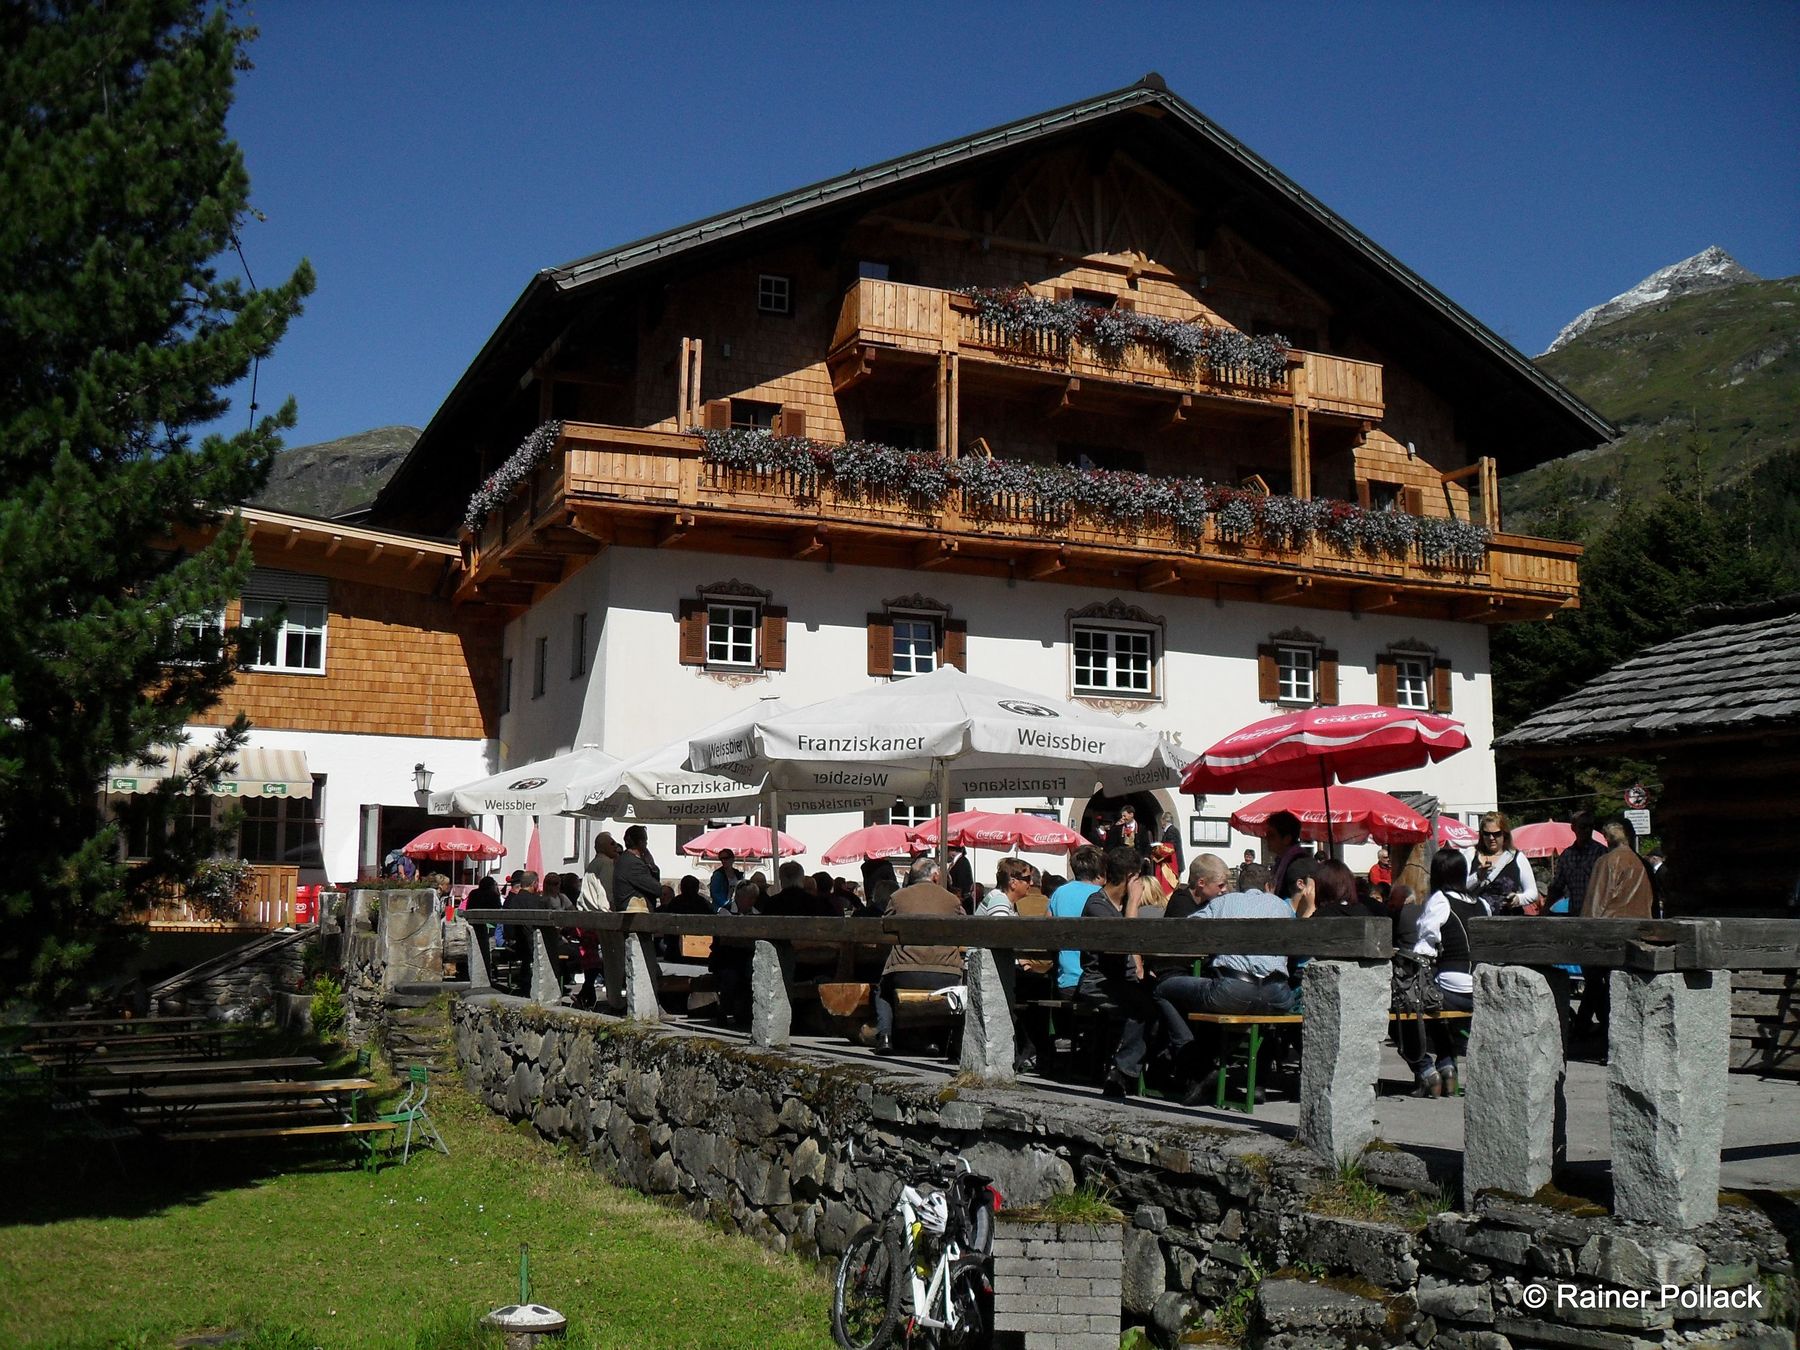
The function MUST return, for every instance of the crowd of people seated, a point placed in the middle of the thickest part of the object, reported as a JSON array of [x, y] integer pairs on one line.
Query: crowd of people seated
[[1148, 1000]]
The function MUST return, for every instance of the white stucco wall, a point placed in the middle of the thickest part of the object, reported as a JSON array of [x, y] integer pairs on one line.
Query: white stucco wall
[[636, 694]]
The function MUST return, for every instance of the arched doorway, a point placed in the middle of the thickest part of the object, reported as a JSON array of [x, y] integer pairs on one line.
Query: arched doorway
[[1102, 812]]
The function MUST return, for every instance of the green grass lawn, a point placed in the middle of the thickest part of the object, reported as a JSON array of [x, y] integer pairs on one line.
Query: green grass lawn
[[305, 1249]]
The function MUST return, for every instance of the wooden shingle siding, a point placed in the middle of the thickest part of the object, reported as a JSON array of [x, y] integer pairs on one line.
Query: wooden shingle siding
[[396, 663]]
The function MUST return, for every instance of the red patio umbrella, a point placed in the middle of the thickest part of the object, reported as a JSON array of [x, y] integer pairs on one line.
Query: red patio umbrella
[[1454, 833], [1319, 745], [1357, 816], [1002, 830], [1546, 838], [449, 842], [872, 841], [744, 841]]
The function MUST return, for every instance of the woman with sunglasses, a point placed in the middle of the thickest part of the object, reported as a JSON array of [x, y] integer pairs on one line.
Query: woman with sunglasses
[[1499, 873]]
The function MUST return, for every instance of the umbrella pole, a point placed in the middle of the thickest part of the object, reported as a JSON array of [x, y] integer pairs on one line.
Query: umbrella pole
[[1325, 789], [773, 809], [943, 788]]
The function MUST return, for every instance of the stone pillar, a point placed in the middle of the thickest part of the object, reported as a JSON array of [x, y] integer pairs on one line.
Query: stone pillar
[[987, 1043], [1340, 1054], [612, 968], [411, 938], [1669, 1046], [477, 968], [640, 979], [1514, 1113], [546, 988], [771, 1015]]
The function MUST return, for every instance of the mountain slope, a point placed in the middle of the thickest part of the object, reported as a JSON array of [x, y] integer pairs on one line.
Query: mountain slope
[[1708, 270], [1704, 388], [331, 478]]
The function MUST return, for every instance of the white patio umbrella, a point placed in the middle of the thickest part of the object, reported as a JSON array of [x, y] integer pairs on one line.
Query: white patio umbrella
[[966, 736], [531, 789], [657, 785]]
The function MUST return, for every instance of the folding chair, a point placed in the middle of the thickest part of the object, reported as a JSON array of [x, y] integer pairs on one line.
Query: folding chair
[[411, 1113]]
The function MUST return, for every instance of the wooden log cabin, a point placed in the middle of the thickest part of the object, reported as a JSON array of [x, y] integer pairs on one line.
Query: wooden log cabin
[[893, 419]]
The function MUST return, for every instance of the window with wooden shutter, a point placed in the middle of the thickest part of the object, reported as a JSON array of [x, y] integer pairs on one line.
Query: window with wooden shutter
[[692, 619], [881, 644], [1414, 497], [716, 415], [774, 637], [956, 643], [790, 421], [1328, 676], [1387, 690], [1268, 674], [1440, 687]]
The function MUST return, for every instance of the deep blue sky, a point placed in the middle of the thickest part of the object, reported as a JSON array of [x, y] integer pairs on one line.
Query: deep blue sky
[[1528, 159]]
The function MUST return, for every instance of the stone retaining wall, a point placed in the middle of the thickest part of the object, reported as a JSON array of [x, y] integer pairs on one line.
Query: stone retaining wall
[[800, 1152], [243, 993]]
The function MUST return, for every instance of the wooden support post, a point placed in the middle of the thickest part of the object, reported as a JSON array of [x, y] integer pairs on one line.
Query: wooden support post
[[1300, 451], [953, 367], [684, 400], [1490, 493], [943, 403]]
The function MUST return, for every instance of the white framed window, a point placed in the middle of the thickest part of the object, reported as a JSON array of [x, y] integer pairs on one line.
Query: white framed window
[[199, 638], [731, 634], [774, 294], [915, 644], [910, 814], [1297, 672], [296, 644], [283, 829], [1113, 660], [1412, 683], [540, 667]]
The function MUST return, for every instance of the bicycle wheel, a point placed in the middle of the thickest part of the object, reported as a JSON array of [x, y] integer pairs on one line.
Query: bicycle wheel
[[865, 1297]]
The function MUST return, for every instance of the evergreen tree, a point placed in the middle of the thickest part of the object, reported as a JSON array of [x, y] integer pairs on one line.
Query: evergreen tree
[[117, 336]]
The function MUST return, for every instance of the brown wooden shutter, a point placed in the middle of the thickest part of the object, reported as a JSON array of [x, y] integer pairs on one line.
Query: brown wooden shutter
[[1414, 499], [1387, 681], [1328, 677], [1128, 303], [1063, 292], [1440, 687], [1268, 674], [716, 415], [693, 632], [881, 644], [790, 421], [956, 643], [774, 637], [1364, 497]]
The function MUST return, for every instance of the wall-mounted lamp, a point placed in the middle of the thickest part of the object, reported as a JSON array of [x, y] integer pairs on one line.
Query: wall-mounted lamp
[[421, 783]]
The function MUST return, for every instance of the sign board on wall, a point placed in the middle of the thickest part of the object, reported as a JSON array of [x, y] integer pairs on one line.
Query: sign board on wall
[[1639, 821], [1204, 830]]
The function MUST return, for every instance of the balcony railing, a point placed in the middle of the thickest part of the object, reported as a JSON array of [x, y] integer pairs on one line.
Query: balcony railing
[[653, 487], [924, 321]]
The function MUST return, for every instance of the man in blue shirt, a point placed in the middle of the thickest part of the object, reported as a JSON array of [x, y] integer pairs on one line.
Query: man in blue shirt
[[725, 879], [1067, 902], [1233, 984]]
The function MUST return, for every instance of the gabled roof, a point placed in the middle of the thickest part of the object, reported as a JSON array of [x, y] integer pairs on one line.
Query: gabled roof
[[1735, 679], [1444, 332]]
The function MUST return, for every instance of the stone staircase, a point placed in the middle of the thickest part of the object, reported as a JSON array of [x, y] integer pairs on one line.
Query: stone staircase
[[414, 1025]]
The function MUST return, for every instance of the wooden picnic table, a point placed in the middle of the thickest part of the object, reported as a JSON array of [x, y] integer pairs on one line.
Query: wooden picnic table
[[72, 1051], [139, 1075], [129, 1023], [175, 1101]]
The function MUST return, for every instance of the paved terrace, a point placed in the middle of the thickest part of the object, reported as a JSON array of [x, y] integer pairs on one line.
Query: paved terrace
[[1678, 1108]]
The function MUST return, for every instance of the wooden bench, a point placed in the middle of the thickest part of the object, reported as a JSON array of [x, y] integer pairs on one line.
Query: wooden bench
[[857, 998], [1251, 1024], [363, 1132]]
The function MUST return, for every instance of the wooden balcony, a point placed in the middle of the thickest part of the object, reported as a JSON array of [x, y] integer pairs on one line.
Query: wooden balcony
[[270, 905], [887, 322], [615, 485]]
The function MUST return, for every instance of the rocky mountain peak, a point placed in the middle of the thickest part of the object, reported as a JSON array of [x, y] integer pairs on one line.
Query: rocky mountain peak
[[1708, 270]]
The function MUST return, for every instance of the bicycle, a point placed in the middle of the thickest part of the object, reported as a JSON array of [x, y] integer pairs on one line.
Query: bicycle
[[924, 1264]]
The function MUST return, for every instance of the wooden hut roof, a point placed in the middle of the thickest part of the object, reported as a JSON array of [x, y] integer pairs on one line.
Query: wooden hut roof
[[1735, 679]]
